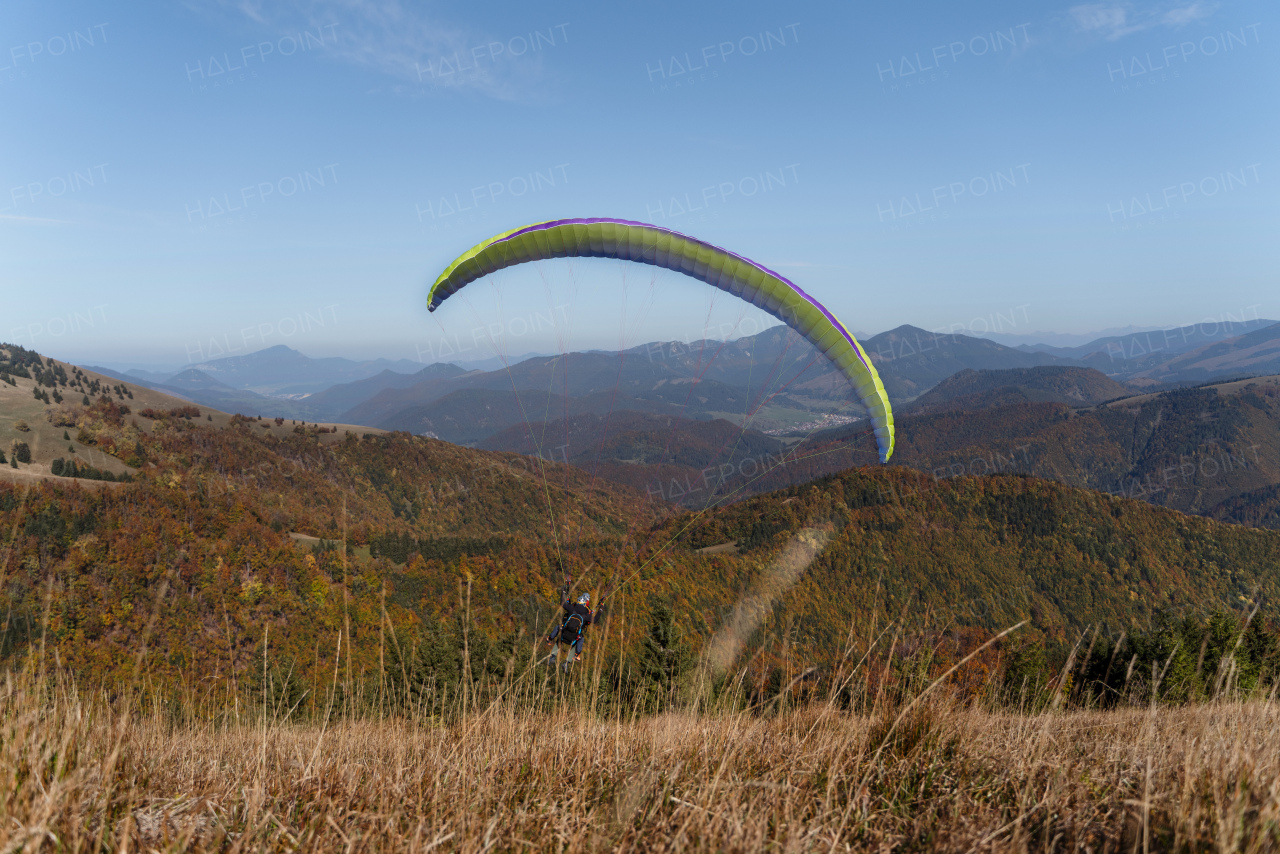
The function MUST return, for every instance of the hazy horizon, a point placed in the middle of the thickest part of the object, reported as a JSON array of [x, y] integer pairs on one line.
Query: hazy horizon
[[476, 355]]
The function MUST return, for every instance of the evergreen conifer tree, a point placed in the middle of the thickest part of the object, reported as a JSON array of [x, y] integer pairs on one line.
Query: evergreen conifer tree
[[664, 656]]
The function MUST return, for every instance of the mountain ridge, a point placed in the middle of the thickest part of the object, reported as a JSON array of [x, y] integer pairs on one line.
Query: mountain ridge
[[973, 390], [911, 361]]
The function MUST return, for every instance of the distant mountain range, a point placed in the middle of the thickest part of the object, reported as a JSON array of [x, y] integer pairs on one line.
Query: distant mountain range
[[204, 389], [799, 385], [278, 371], [278, 381], [964, 405], [1059, 339], [1148, 355], [282, 371], [772, 381], [1255, 353], [912, 360]]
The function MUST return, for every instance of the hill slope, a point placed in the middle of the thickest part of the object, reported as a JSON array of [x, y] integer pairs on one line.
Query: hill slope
[[692, 463], [336, 400], [1259, 508], [51, 429], [1191, 449], [911, 360], [197, 387], [1254, 353], [82, 402], [970, 389], [991, 551]]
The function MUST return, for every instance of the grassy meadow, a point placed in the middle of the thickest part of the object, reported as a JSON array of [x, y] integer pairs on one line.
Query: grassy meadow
[[535, 763]]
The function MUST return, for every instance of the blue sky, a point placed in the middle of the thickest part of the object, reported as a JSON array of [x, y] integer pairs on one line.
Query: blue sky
[[180, 181]]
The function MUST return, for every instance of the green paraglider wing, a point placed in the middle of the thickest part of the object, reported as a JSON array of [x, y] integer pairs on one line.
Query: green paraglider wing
[[661, 247]]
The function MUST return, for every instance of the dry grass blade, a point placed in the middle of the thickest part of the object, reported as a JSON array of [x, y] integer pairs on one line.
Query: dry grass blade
[[82, 775]]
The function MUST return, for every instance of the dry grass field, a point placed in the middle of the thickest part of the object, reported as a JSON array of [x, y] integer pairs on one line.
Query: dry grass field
[[80, 772]]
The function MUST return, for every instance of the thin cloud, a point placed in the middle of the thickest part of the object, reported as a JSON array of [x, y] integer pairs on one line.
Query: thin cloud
[[34, 220], [1186, 15], [402, 41], [1115, 21], [1095, 17], [252, 11]]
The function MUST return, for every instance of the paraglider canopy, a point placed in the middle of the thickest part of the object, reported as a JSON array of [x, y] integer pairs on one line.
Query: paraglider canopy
[[662, 247]]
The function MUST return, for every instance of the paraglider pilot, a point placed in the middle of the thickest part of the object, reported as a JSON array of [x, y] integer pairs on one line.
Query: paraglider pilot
[[569, 632]]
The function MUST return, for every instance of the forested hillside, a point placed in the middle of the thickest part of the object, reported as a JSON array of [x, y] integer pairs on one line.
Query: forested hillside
[[650, 453], [993, 550], [196, 557], [1204, 450], [971, 390], [194, 561]]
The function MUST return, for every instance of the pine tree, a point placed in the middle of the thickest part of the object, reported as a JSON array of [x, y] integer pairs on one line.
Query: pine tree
[[664, 656]]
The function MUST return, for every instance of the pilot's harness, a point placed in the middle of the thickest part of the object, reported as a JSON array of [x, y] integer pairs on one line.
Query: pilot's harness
[[569, 632]]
